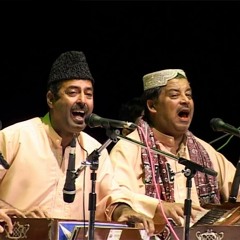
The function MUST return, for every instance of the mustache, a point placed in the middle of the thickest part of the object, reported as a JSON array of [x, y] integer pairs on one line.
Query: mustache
[[80, 107]]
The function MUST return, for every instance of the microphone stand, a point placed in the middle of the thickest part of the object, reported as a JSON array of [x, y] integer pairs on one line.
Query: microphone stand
[[235, 185], [92, 161], [189, 173], [190, 170]]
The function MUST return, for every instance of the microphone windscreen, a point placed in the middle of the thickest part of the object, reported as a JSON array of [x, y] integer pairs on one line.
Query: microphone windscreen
[[216, 123], [69, 198], [90, 120]]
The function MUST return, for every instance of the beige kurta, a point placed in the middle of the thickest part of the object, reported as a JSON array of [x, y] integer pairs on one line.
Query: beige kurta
[[37, 173], [126, 158]]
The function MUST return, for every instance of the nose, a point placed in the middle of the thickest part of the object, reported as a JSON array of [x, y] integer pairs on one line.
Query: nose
[[185, 98], [81, 98]]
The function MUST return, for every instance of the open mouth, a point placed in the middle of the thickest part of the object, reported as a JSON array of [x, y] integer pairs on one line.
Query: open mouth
[[78, 115], [184, 114]]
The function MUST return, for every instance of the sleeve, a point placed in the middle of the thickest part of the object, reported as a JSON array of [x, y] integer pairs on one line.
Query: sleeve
[[128, 173], [110, 194], [225, 169], [6, 154]]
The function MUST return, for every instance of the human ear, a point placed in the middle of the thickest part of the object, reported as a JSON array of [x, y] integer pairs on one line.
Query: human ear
[[50, 98], [151, 105]]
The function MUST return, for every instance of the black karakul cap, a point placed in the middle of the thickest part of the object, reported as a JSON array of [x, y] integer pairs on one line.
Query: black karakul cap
[[70, 65]]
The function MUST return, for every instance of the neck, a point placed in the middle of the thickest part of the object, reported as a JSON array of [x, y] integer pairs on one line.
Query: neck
[[66, 140], [178, 142]]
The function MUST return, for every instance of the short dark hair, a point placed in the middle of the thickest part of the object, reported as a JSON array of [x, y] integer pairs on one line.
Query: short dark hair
[[131, 110]]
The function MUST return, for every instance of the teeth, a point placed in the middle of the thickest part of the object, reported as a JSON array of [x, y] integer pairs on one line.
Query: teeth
[[79, 112]]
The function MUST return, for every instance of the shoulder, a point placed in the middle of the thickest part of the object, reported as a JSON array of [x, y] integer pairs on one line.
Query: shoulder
[[85, 135], [23, 125], [213, 153], [204, 143], [88, 140], [132, 141], [21, 130]]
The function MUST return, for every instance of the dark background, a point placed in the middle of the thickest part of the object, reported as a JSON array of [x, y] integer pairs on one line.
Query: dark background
[[123, 41]]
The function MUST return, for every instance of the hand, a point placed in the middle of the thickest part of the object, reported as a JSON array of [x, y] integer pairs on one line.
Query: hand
[[124, 213], [175, 211], [36, 212], [5, 216]]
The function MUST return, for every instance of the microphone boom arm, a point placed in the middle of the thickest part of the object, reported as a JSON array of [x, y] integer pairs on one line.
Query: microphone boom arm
[[189, 164]]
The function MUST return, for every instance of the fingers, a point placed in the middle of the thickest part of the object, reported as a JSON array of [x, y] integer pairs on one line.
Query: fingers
[[152, 228], [196, 214], [171, 210], [146, 222], [15, 212], [2, 229], [178, 220], [8, 221], [148, 225], [176, 212], [129, 215], [198, 208], [36, 213]]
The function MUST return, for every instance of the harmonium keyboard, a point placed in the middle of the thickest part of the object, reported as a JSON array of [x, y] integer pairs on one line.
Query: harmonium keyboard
[[220, 222]]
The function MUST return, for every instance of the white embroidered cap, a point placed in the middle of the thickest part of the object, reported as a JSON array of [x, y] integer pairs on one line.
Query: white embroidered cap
[[160, 78]]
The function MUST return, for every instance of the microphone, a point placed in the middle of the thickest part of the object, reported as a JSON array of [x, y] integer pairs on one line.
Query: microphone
[[69, 189], [3, 162], [93, 120], [218, 125]]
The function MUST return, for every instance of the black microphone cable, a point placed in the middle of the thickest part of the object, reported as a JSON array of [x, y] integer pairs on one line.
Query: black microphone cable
[[223, 136]]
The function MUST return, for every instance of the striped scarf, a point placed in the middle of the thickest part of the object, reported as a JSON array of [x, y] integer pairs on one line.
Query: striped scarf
[[207, 187]]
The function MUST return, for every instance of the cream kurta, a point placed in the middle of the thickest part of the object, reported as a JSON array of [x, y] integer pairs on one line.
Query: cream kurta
[[126, 158], [37, 173]]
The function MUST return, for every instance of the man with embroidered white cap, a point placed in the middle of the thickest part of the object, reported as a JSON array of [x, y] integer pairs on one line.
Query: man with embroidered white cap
[[169, 109]]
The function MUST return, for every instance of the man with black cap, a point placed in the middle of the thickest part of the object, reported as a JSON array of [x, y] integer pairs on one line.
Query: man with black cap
[[41, 150]]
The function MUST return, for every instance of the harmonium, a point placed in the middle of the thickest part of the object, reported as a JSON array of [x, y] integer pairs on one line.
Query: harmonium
[[221, 222], [58, 229]]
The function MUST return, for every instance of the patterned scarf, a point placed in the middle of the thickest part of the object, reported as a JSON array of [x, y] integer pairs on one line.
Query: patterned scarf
[[207, 187]]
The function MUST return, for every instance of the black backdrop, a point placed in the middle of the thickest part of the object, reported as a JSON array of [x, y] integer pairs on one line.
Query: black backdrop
[[122, 42]]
